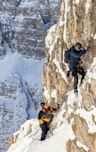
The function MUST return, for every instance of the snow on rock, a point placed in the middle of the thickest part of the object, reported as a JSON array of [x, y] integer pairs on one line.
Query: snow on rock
[[60, 70], [53, 143], [87, 6], [79, 144], [65, 19], [91, 74], [46, 94], [94, 36], [20, 93], [26, 23], [13, 108], [73, 101], [54, 93], [88, 117], [77, 1], [49, 39], [73, 127], [61, 23]]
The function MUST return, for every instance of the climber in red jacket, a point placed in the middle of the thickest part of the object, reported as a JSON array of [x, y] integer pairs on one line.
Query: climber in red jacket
[[44, 120], [45, 117]]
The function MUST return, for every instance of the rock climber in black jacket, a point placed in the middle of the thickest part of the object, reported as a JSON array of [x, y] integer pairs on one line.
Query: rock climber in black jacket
[[72, 58]]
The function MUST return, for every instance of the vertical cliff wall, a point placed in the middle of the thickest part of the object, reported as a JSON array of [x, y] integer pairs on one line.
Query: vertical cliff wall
[[74, 126], [24, 24], [76, 24]]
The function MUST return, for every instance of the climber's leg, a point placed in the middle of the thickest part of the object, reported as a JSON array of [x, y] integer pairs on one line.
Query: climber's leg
[[81, 71], [74, 74], [44, 129]]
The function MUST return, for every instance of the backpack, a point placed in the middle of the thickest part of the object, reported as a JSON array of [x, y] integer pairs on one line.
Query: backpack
[[67, 56]]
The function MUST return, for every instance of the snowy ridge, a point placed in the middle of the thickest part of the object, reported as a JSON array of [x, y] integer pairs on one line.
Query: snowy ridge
[[61, 127], [23, 26], [20, 92], [31, 142]]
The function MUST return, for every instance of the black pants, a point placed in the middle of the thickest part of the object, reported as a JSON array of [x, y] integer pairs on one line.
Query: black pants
[[44, 127], [75, 70]]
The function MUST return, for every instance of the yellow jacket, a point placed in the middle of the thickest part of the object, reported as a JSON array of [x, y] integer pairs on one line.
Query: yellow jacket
[[44, 117]]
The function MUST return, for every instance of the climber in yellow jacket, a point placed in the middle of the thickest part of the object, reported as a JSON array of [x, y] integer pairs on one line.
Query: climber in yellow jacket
[[45, 116]]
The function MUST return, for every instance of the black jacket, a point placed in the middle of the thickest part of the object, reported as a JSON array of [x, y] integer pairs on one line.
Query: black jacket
[[74, 56]]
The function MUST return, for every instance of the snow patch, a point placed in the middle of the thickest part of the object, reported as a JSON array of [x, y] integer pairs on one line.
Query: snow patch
[[91, 74], [60, 70], [61, 23], [80, 145], [46, 94], [88, 117], [77, 1], [49, 39], [87, 6], [31, 143], [54, 93], [24, 129], [51, 49], [73, 100], [94, 37], [65, 19]]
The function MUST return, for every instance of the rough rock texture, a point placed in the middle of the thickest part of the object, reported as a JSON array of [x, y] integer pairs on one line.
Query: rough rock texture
[[23, 131], [24, 24], [20, 93], [13, 108], [74, 125], [76, 24], [23, 27]]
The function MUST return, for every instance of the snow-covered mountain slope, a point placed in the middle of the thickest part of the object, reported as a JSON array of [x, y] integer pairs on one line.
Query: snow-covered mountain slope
[[73, 127], [53, 143], [20, 93], [24, 24]]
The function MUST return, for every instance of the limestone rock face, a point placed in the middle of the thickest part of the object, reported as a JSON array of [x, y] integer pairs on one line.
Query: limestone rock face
[[24, 24], [76, 24]]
